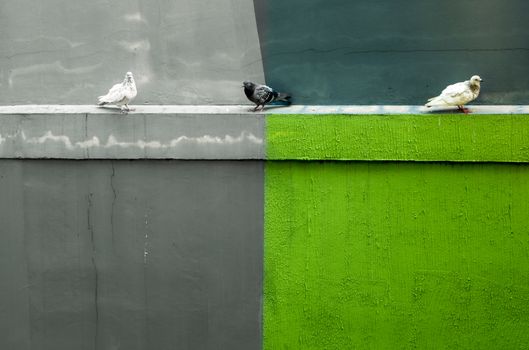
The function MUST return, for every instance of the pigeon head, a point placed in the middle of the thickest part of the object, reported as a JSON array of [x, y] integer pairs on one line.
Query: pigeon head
[[248, 85], [475, 80], [129, 78]]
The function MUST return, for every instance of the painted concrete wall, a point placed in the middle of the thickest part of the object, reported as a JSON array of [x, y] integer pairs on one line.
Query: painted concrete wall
[[377, 230], [152, 254], [130, 254], [394, 51], [181, 52], [396, 232], [430, 137], [324, 52], [396, 255], [86, 132]]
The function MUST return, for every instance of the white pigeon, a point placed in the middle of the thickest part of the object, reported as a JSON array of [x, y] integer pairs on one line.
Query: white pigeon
[[458, 94], [121, 94]]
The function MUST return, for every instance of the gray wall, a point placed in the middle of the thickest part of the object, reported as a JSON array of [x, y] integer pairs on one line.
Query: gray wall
[[151, 132], [394, 51], [181, 52], [130, 254]]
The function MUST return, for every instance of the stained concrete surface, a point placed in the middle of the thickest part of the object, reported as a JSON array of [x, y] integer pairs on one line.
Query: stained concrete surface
[[130, 254], [185, 132], [394, 51], [71, 51], [112, 135]]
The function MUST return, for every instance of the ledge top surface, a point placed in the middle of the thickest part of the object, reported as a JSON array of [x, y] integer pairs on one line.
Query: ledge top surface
[[248, 109]]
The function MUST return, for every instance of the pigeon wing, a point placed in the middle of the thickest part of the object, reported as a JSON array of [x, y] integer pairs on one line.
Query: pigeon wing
[[454, 89], [457, 94], [453, 95], [114, 95], [263, 94]]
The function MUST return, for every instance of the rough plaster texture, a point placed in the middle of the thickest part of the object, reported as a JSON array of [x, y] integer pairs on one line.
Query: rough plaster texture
[[396, 255], [112, 135], [394, 51], [443, 137], [71, 51], [130, 255], [234, 132]]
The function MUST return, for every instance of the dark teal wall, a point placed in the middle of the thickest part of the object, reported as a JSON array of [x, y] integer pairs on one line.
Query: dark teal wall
[[394, 51]]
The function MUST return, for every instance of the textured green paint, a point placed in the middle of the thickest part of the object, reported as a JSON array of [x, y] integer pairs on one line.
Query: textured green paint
[[430, 137], [396, 255]]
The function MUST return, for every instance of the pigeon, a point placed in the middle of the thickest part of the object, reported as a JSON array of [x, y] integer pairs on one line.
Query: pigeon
[[458, 94], [121, 94], [262, 95]]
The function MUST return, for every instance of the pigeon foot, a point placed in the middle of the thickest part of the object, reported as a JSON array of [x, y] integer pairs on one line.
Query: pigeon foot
[[463, 109]]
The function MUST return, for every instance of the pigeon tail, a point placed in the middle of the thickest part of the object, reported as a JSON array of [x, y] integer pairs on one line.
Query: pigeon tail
[[435, 101], [284, 97]]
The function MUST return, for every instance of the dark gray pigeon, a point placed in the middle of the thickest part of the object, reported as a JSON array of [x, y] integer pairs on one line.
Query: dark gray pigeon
[[262, 95]]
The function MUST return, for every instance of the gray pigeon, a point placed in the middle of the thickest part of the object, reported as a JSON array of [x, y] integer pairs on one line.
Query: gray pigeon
[[120, 94], [262, 95]]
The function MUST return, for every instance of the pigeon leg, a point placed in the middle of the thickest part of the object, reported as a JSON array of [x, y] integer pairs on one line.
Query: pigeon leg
[[463, 109], [255, 109]]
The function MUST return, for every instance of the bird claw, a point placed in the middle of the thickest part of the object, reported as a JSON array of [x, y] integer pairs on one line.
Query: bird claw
[[126, 109], [463, 109]]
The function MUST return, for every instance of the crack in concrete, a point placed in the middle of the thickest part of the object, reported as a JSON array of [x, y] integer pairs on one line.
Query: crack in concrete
[[114, 198], [96, 275]]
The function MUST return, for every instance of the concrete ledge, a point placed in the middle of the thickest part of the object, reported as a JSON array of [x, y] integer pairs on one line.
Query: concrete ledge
[[247, 109], [405, 137], [369, 110], [236, 133], [86, 132]]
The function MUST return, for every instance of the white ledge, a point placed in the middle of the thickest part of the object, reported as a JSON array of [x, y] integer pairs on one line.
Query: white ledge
[[248, 109]]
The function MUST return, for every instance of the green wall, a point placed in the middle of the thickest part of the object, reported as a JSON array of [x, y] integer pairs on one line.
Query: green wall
[[427, 137], [395, 254]]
